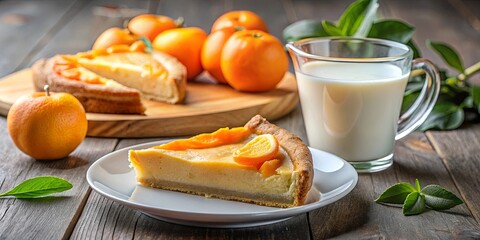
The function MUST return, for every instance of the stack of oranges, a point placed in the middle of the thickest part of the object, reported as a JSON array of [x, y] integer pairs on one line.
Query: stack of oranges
[[239, 51]]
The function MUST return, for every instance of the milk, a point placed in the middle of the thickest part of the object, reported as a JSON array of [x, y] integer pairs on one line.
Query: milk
[[351, 109]]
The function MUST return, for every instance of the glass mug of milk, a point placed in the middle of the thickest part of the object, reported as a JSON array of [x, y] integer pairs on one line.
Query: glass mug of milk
[[351, 92]]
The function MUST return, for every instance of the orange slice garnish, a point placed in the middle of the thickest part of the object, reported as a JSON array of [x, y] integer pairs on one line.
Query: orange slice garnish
[[220, 137], [260, 149], [269, 167]]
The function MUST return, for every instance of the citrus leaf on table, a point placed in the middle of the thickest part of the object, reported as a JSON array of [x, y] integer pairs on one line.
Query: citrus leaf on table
[[449, 55], [445, 115], [303, 29], [414, 204], [38, 187], [439, 198], [392, 30], [396, 194], [414, 200]]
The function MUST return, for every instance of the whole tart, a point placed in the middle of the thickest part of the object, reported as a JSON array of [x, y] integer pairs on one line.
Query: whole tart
[[213, 171], [113, 82]]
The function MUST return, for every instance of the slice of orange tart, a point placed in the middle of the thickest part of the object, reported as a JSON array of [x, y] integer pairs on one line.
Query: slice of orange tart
[[259, 163], [113, 82], [97, 94], [157, 76]]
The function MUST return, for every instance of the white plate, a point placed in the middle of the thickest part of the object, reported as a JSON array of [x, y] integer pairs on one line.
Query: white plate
[[112, 177]]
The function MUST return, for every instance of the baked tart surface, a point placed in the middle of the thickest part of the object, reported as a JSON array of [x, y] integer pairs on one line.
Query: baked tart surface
[[232, 164], [113, 82]]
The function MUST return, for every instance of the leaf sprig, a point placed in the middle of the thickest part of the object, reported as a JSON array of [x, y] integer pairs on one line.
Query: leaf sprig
[[415, 200], [457, 95], [38, 187]]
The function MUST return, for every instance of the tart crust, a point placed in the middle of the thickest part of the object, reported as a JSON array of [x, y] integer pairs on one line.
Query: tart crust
[[295, 148]]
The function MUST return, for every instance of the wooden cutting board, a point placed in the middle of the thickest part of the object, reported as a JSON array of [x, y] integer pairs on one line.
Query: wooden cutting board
[[207, 108]]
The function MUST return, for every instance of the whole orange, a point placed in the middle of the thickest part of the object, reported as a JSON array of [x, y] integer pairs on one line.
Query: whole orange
[[114, 36], [150, 25], [246, 19], [253, 61], [47, 127], [185, 44], [212, 52]]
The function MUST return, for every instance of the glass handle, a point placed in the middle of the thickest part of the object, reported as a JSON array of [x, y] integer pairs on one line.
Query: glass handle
[[423, 105]]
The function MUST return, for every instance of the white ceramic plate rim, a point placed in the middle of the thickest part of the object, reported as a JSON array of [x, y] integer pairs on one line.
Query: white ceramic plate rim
[[336, 189]]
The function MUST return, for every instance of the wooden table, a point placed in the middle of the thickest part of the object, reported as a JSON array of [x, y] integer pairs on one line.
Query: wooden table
[[31, 29]]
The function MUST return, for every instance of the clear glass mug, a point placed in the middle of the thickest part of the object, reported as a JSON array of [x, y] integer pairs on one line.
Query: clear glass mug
[[351, 92]]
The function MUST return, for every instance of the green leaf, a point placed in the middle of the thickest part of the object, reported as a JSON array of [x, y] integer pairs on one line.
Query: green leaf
[[358, 17], [409, 99], [38, 187], [445, 115], [413, 46], [303, 29], [449, 55], [468, 103], [396, 194], [439, 198], [417, 184], [392, 30], [414, 204], [331, 29], [413, 87], [475, 93]]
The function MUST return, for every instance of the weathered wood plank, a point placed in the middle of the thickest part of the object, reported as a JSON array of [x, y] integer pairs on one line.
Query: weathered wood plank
[[460, 152], [45, 218], [470, 9], [110, 220], [24, 25]]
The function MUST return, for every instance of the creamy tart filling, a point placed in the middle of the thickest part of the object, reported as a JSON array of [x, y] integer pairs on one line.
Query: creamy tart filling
[[219, 160], [212, 168]]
